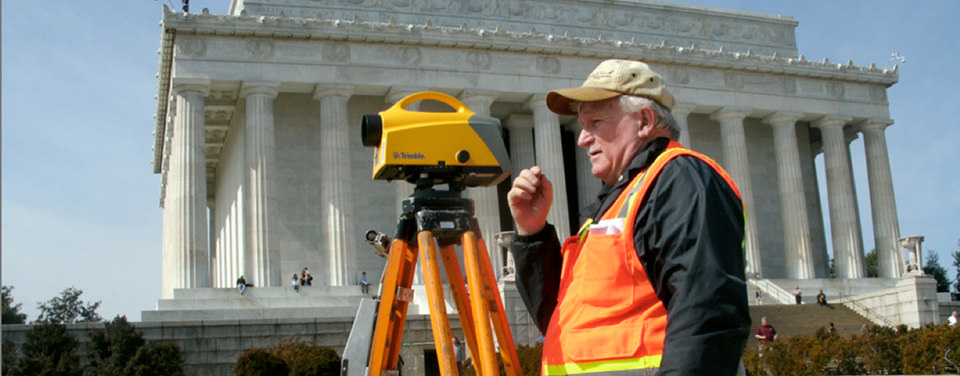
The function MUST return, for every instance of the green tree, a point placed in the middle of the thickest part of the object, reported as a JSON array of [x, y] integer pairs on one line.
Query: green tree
[[9, 356], [68, 308], [11, 312], [870, 262], [111, 348], [933, 267], [48, 350], [956, 267]]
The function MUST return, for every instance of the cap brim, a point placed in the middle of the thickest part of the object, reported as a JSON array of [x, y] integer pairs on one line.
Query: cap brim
[[561, 101]]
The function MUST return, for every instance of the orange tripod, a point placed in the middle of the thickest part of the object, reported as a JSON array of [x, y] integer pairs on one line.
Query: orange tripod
[[434, 221]]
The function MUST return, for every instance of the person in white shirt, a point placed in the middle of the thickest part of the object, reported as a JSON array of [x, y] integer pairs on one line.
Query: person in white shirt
[[952, 320]]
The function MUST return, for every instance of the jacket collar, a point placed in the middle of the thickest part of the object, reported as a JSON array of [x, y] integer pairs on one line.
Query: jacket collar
[[609, 193]]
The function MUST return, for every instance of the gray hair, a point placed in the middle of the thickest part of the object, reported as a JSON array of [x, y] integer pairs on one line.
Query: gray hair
[[665, 120]]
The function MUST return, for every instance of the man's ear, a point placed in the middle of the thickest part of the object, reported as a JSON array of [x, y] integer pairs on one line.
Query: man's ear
[[646, 120]]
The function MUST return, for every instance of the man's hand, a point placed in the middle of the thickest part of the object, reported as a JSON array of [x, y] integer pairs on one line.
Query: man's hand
[[530, 199]]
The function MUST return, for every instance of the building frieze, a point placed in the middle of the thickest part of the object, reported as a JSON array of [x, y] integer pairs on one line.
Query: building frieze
[[650, 21]]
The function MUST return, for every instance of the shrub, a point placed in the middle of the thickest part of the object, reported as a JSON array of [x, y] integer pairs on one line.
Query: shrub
[[258, 362], [156, 359], [879, 351], [305, 359]]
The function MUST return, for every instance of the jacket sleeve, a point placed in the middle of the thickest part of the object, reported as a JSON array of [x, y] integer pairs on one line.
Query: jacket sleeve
[[538, 261], [689, 237]]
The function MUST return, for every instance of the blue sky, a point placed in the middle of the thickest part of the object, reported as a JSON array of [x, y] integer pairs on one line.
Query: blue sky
[[80, 200]]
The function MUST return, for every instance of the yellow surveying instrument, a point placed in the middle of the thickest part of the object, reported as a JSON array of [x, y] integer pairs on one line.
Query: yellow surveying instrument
[[459, 149], [454, 146]]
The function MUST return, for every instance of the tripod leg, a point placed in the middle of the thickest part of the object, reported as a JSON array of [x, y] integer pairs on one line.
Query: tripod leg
[[392, 313], [487, 364], [508, 351], [460, 296], [438, 310]]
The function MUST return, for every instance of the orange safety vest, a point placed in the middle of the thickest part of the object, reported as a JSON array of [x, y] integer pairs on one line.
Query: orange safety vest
[[608, 318]]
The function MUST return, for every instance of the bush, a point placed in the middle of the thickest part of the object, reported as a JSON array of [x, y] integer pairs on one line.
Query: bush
[[156, 359], [259, 362], [304, 359], [879, 350]]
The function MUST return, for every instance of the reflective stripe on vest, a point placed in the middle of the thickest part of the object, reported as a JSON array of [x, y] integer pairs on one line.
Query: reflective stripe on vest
[[608, 319], [648, 365]]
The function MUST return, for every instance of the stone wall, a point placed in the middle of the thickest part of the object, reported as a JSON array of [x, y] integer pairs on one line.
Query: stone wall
[[212, 347], [912, 302]]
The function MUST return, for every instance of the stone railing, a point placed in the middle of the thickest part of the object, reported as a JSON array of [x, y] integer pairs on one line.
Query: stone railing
[[770, 290]]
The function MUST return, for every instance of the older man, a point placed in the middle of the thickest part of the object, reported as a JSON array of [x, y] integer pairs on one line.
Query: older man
[[653, 282]]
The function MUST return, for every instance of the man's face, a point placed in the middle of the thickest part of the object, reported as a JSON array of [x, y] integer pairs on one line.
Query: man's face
[[610, 137]]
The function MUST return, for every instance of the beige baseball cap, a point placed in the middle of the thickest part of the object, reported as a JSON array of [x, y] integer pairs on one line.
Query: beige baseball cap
[[609, 79]]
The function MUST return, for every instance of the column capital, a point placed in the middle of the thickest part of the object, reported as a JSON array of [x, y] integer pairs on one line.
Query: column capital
[[682, 109], [332, 90], [268, 88], [782, 117], [828, 121], [850, 136], [518, 121], [396, 93], [538, 100], [730, 113], [485, 97], [876, 124], [186, 84]]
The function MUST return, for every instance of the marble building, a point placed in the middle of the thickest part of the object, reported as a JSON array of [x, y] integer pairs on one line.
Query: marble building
[[257, 137]]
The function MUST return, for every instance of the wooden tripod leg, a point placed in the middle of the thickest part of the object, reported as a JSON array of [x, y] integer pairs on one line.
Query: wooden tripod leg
[[392, 313], [508, 351], [438, 309], [487, 364], [460, 296]]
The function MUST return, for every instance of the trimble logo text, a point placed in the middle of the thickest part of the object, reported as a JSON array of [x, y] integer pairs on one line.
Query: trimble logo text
[[402, 155]]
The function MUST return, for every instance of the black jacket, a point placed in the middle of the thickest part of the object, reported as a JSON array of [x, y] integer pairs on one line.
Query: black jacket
[[689, 238]]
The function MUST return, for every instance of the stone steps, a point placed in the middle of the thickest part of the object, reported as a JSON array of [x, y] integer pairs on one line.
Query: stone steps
[[805, 319]]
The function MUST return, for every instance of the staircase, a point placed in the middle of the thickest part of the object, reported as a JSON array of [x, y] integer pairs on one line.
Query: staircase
[[804, 319], [258, 303]]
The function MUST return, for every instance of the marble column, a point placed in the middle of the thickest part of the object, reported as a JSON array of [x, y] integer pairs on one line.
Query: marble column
[[847, 249], [522, 153], [735, 161], [216, 276], [680, 112], [262, 266], [549, 155], [186, 258], [883, 206], [402, 188], [588, 186], [336, 195], [486, 203], [793, 203]]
